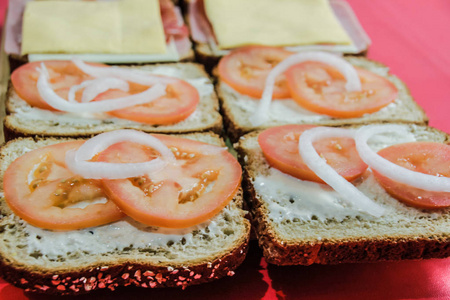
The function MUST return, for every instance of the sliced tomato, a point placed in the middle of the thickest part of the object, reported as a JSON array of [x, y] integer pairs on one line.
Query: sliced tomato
[[63, 75], [280, 148], [197, 187], [246, 70], [424, 157], [41, 190], [180, 102], [321, 88]]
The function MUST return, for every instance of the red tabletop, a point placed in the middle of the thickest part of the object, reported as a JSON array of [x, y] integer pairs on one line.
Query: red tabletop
[[412, 37]]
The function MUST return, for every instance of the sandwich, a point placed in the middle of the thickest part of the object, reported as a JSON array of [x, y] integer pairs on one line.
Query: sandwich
[[297, 25], [322, 195], [133, 31], [261, 87], [72, 224], [78, 99]]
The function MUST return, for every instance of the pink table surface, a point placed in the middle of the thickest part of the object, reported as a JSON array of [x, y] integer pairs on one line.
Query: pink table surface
[[413, 39]]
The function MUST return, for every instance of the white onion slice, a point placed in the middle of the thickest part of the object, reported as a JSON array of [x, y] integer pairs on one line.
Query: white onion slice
[[353, 82], [92, 88], [78, 161], [325, 172], [132, 75], [393, 171], [55, 101]]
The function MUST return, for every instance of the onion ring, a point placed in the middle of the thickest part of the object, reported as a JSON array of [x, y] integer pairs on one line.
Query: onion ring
[[78, 161], [132, 75], [328, 174], [393, 171], [92, 88], [349, 72], [55, 101]]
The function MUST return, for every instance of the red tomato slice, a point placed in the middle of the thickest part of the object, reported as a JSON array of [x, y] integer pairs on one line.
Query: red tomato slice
[[180, 102], [246, 70], [39, 189], [321, 88], [63, 75], [280, 148], [424, 157], [178, 197]]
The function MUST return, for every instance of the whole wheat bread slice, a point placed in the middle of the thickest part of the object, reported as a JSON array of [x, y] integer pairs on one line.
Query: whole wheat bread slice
[[304, 236], [237, 108], [81, 261], [25, 120]]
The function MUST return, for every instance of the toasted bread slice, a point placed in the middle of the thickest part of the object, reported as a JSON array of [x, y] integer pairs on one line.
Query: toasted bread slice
[[237, 108], [304, 227], [25, 120], [120, 254]]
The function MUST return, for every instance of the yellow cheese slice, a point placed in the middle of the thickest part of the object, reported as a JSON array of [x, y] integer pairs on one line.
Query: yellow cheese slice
[[124, 26], [274, 23]]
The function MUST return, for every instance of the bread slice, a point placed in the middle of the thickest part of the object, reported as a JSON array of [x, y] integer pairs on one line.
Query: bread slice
[[105, 257], [237, 108], [24, 120], [295, 226]]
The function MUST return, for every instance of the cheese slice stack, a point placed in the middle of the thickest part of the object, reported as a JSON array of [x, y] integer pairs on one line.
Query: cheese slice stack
[[239, 23], [113, 27]]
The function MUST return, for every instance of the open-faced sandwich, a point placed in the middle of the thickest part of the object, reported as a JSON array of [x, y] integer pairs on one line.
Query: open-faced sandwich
[[75, 99], [261, 87], [325, 195], [122, 31], [123, 208], [218, 26]]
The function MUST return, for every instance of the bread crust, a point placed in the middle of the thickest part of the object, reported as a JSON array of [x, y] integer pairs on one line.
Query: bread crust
[[205, 56], [97, 277]]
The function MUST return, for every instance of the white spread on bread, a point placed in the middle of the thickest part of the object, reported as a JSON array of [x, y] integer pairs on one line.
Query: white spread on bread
[[300, 199], [279, 109], [117, 236], [282, 110], [291, 198]]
